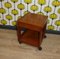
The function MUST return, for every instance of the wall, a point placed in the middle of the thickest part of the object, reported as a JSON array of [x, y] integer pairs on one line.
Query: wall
[[11, 10]]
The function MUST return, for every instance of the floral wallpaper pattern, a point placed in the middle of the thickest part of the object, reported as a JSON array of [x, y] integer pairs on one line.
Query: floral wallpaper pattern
[[11, 10]]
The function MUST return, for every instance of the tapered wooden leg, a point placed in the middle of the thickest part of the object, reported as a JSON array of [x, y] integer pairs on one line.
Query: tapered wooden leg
[[19, 34], [40, 37], [44, 31]]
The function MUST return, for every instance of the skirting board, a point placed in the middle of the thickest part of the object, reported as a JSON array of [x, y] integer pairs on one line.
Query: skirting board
[[14, 28]]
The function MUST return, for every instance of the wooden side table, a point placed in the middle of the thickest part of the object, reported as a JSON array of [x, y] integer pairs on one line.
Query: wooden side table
[[35, 26]]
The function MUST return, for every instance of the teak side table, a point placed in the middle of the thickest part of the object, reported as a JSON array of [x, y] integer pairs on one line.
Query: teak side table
[[35, 26]]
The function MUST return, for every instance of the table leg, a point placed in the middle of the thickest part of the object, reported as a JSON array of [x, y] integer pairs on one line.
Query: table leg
[[44, 31], [40, 37], [19, 34]]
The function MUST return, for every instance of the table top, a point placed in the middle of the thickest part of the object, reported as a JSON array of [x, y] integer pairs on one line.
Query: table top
[[34, 19]]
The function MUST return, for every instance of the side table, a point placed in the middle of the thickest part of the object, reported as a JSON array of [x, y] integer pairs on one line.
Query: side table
[[35, 26]]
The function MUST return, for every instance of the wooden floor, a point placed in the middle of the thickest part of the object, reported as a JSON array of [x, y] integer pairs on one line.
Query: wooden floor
[[11, 49]]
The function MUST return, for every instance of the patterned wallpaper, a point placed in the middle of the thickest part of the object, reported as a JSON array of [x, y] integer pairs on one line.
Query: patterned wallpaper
[[11, 10]]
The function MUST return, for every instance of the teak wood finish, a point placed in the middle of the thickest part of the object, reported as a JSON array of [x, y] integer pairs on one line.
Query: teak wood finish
[[35, 26]]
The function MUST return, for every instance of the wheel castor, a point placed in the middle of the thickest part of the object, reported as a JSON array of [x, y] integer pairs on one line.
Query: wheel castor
[[19, 41], [40, 48], [44, 36]]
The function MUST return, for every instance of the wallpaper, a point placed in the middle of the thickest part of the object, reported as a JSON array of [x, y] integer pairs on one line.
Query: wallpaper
[[11, 10]]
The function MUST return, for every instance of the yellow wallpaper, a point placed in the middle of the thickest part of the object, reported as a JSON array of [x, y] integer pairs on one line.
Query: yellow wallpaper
[[11, 10]]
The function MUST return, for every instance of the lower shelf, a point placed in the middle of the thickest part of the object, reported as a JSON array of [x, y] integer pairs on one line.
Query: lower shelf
[[30, 37]]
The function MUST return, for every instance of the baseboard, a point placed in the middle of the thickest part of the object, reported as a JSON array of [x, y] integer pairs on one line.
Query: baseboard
[[7, 27], [53, 32], [14, 28]]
